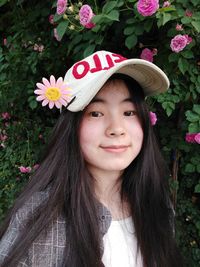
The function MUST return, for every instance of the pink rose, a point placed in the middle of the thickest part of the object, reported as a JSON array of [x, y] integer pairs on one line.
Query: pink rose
[[188, 13], [153, 118], [147, 7], [85, 16], [3, 137], [179, 27], [35, 47], [61, 7], [189, 39], [190, 137], [155, 51], [51, 19], [166, 4], [56, 35], [5, 115], [178, 43], [197, 138], [5, 41], [25, 169], [147, 54], [41, 48]]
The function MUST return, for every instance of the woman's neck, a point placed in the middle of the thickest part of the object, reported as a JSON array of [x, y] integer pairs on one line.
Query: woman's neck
[[107, 187]]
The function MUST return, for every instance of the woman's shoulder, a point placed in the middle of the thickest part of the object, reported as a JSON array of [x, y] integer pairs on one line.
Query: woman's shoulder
[[29, 207]]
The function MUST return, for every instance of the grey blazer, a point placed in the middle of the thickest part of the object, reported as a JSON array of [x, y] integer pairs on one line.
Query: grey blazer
[[47, 250]]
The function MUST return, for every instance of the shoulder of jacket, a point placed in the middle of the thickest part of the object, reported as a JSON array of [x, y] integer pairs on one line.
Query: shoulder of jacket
[[30, 206]]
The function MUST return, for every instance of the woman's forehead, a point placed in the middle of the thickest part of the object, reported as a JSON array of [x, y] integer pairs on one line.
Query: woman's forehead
[[113, 88]]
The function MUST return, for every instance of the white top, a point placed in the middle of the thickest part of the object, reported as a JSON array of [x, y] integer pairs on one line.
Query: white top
[[120, 245]]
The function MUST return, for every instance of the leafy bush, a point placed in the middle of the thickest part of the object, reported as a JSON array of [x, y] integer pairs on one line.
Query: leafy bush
[[29, 51]]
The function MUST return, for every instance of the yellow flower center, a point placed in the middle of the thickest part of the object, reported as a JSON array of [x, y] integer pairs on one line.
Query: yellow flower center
[[53, 93]]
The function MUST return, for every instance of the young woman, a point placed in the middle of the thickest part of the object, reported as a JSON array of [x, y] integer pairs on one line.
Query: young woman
[[100, 195]]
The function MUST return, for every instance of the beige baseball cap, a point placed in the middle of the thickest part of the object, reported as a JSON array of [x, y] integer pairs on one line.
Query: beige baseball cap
[[86, 77]]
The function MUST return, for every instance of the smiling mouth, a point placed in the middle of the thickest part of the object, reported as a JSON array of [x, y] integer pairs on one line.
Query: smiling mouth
[[115, 149]]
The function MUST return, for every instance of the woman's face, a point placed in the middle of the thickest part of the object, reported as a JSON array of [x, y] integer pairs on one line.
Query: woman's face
[[111, 135]]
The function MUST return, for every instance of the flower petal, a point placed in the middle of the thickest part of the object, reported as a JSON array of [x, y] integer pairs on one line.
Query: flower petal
[[46, 82], [45, 102], [58, 104], [52, 81], [41, 86], [51, 104], [59, 82], [66, 97], [40, 97], [63, 102], [39, 92]]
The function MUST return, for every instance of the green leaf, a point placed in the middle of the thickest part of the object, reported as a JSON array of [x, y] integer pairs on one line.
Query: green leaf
[[195, 2], [96, 28], [196, 109], [120, 3], [97, 18], [3, 2], [166, 17], [89, 50], [190, 168], [131, 41], [197, 188], [193, 128], [77, 39], [113, 15], [130, 21], [183, 65], [172, 105], [109, 6], [167, 9], [33, 104], [57, 17], [198, 168], [169, 111], [195, 160], [187, 54], [129, 30], [173, 57], [139, 29], [61, 28], [191, 116], [186, 20], [196, 25], [148, 25]]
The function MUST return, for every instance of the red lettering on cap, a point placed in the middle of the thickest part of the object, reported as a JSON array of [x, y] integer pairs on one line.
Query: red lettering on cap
[[110, 62], [86, 68], [97, 63], [119, 58], [110, 59]]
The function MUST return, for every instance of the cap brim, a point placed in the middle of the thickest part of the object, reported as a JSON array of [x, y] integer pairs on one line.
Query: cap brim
[[151, 78]]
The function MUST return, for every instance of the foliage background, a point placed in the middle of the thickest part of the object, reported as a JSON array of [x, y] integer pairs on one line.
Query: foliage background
[[119, 28]]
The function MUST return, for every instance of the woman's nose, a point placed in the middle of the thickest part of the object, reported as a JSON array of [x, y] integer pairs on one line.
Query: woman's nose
[[115, 128]]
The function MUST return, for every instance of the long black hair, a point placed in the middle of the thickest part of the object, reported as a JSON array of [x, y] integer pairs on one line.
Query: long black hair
[[70, 188]]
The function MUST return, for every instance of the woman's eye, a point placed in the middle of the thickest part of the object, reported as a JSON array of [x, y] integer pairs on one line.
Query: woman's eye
[[96, 114], [130, 113]]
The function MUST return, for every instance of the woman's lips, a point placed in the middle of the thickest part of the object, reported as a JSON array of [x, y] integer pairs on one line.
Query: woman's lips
[[115, 149]]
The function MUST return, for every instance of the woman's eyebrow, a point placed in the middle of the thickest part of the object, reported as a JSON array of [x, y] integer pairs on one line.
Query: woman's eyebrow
[[127, 100], [100, 100], [97, 100]]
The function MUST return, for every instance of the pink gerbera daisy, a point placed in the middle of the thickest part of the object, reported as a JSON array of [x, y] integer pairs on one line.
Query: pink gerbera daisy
[[53, 92]]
